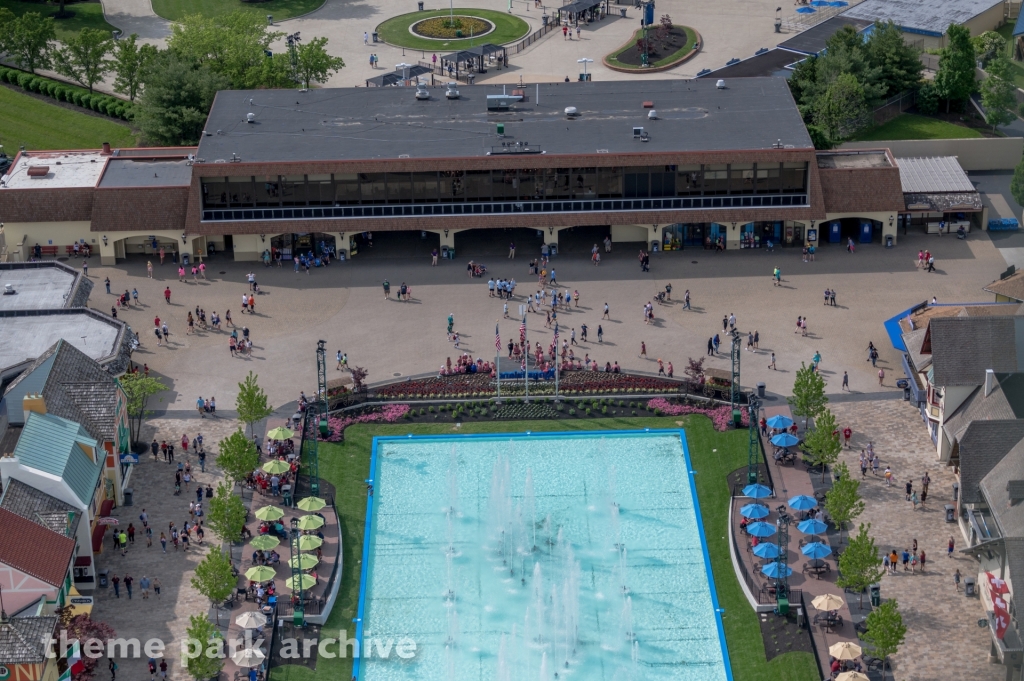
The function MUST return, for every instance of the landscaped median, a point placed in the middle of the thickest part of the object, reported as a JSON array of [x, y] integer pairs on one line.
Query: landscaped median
[[96, 101], [669, 46], [409, 30]]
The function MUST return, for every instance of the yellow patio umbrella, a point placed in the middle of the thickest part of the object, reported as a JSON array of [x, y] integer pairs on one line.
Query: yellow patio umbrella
[[306, 582], [845, 650], [310, 522], [303, 561], [265, 542], [276, 466], [828, 602], [281, 433], [260, 573], [852, 676], [309, 542], [269, 513], [310, 504]]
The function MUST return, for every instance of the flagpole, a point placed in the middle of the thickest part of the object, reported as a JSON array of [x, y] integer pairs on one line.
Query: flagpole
[[526, 360], [497, 362], [557, 359]]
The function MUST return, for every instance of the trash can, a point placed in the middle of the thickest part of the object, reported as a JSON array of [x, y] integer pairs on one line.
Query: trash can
[[906, 394], [876, 594], [969, 589], [184, 259], [419, 6], [128, 494], [950, 513], [104, 581], [737, 417], [655, 246], [622, 12], [375, 39], [471, 79], [544, 20], [553, 249], [444, 252], [956, 491], [888, 241], [760, 389], [783, 607]]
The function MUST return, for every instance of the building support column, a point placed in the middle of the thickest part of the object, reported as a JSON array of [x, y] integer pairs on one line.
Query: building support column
[[108, 257]]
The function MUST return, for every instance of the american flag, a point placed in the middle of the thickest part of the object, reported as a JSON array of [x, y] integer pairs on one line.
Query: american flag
[[556, 335], [522, 331], [497, 338]]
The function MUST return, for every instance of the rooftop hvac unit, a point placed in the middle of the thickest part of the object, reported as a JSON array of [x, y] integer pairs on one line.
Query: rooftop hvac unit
[[502, 102], [652, 115], [637, 132], [571, 112]]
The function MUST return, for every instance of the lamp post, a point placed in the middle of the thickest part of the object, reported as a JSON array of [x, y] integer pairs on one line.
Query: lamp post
[[585, 61]]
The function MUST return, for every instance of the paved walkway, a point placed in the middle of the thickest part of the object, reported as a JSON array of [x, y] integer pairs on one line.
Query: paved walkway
[[943, 640], [344, 305]]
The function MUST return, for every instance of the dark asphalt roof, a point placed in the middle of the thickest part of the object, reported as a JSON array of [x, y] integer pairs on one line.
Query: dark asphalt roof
[[812, 41], [770, 63], [139, 172], [398, 76], [386, 123]]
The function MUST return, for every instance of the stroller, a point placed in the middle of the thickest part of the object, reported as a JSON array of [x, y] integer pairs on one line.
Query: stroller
[[660, 297], [960, 233]]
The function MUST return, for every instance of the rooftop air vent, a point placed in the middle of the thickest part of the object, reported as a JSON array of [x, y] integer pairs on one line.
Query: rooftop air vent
[[652, 115], [9, 290], [571, 112], [1015, 490], [637, 132], [648, 104], [720, 84], [250, 118], [38, 171]]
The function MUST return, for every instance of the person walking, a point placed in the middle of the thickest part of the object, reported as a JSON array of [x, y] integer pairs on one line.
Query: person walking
[[512, 251], [387, 290], [433, 258], [128, 584], [931, 264], [956, 580], [116, 582], [156, 586], [921, 559], [881, 376], [846, 381], [711, 346], [888, 476], [643, 349], [686, 300], [605, 315], [600, 334], [167, 295], [771, 365], [144, 584], [949, 547]]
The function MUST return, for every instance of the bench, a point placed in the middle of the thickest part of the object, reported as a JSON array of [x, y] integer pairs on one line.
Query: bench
[[48, 251], [83, 250]]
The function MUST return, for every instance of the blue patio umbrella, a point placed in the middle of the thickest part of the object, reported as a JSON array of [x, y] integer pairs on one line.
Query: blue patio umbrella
[[757, 491], [779, 421], [819, 3], [812, 526], [802, 502], [816, 550], [838, 3], [784, 440], [806, 10], [766, 550], [774, 570], [761, 529], [754, 511]]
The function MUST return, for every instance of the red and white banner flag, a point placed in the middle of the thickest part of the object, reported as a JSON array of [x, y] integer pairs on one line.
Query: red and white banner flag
[[996, 585], [1001, 613]]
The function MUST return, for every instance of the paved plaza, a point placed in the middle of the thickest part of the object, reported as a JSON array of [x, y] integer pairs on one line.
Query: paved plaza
[[345, 306]]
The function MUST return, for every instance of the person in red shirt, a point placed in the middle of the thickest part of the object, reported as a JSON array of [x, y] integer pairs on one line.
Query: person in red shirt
[[167, 295], [847, 432]]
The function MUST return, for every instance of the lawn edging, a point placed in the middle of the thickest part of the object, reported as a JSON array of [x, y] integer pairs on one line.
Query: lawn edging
[[114, 107], [698, 45], [424, 44]]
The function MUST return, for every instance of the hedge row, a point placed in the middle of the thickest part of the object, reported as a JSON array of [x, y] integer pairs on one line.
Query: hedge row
[[104, 104]]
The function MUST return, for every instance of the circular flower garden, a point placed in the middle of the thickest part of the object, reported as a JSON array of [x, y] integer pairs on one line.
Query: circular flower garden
[[442, 28]]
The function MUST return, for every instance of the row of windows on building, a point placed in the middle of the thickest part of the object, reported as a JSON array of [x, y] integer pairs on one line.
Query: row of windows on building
[[503, 185]]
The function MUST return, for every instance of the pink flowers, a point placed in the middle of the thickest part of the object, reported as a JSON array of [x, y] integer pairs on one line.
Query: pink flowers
[[388, 414], [720, 416]]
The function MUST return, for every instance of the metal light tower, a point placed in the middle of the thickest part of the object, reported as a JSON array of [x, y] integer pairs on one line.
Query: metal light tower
[[734, 394], [299, 612], [782, 576], [754, 443]]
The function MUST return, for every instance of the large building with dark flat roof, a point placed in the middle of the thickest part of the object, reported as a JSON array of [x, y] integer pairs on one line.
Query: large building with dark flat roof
[[672, 164]]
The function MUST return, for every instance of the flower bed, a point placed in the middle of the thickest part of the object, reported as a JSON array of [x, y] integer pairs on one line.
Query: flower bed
[[444, 27], [721, 416], [388, 414], [468, 386]]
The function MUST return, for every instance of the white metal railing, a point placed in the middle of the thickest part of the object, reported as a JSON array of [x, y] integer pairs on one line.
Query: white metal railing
[[798, 22]]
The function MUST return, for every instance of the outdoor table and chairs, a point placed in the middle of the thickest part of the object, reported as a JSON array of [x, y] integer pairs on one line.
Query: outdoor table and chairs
[[829, 620], [816, 566], [783, 455]]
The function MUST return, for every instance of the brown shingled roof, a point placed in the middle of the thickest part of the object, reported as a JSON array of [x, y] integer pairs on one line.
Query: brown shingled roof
[[33, 549], [861, 190]]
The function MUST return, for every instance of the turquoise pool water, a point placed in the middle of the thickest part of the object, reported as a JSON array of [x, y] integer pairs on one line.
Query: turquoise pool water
[[541, 557]]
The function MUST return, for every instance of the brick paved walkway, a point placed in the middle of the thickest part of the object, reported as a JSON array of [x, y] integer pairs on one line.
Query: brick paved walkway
[[166, 617], [943, 639]]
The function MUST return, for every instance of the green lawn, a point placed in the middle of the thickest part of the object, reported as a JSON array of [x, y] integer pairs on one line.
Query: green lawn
[[1006, 30], [279, 9], [36, 124], [347, 466], [87, 15], [691, 39], [507, 28], [914, 127]]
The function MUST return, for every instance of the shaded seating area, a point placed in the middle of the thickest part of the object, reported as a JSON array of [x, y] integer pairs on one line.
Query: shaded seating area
[[584, 11], [398, 76], [478, 59]]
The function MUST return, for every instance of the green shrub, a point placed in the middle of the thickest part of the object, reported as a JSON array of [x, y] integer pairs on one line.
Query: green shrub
[[431, 409], [634, 412], [587, 412], [76, 98], [3, 72], [657, 412], [23, 80], [95, 103], [560, 407], [604, 410], [105, 104]]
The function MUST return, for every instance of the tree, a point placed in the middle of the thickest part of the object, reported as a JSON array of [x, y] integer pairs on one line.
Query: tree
[[28, 40], [820, 444], [955, 77], [251, 402], [237, 456], [176, 99], [314, 63], [886, 631], [207, 661], [358, 375], [214, 578], [138, 388], [1017, 183], [226, 514], [808, 398], [859, 565], [899, 66], [842, 109], [84, 628], [83, 58], [819, 138], [233, 45], [130, 58], [843, 501], [998, 93], [988, 46]]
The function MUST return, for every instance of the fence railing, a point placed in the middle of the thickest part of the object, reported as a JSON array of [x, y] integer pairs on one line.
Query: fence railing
[[894, 106], [532, 38]]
